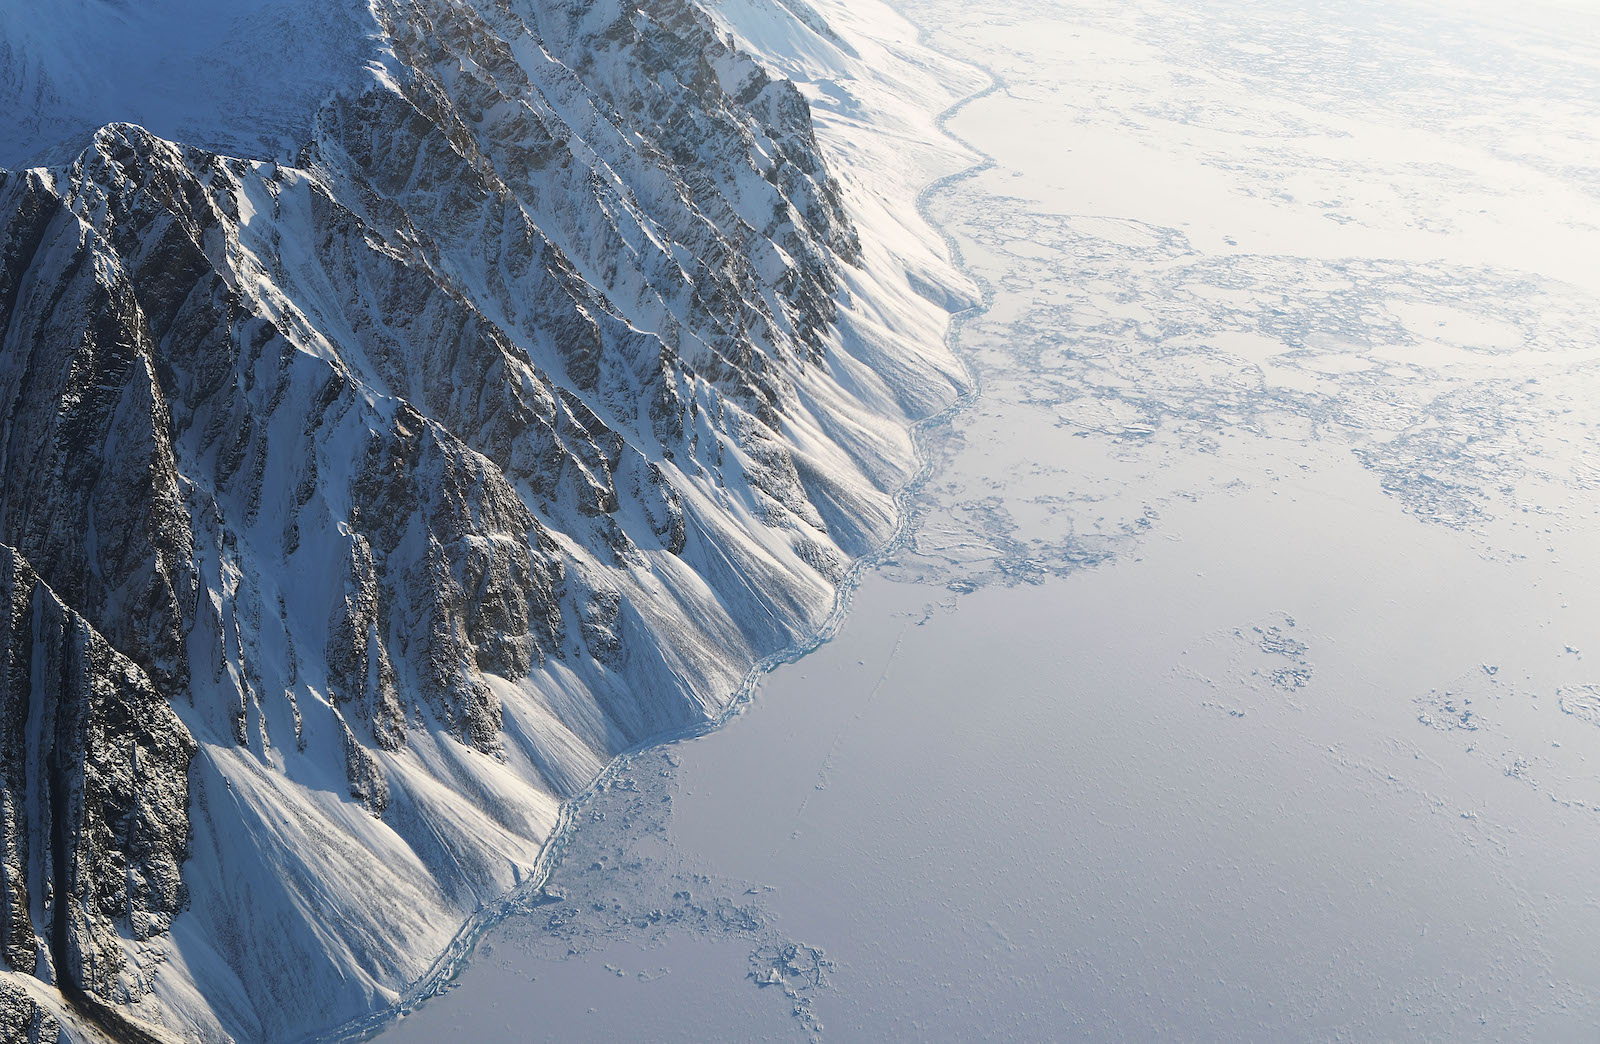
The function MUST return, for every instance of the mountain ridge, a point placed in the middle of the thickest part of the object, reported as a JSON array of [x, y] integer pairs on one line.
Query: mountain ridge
[[549, 386]]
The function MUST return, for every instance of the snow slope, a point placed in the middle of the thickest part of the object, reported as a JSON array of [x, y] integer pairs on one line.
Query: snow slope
[[239, 76], [513, 378]]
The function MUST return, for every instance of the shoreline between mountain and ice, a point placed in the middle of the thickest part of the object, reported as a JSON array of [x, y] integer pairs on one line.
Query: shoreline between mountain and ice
[[1160, 687], [459, 953]]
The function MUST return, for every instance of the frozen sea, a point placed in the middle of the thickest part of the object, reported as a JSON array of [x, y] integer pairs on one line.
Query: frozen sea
[[1240, 674]]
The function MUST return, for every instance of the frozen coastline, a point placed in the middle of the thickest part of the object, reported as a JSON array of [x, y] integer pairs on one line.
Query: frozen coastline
[[394, 444], [1234, 681]]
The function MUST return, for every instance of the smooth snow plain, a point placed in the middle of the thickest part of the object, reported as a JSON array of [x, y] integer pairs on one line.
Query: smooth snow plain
[[1236, 676]]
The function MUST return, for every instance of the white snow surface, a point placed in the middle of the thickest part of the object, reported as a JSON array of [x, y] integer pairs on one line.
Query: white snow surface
[[243, 77]]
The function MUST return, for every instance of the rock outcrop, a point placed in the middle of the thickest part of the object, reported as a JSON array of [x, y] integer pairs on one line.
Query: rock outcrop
[[94, 822]]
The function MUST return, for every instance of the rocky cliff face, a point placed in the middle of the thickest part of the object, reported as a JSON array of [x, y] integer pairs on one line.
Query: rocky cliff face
[[94, 821], [498, 432]]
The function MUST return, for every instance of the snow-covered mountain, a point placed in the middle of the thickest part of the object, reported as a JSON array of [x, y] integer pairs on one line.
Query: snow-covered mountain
[[406, 407]]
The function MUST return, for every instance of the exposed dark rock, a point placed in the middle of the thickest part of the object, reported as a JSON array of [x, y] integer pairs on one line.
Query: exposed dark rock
[[94, 764], [23, 1020]]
